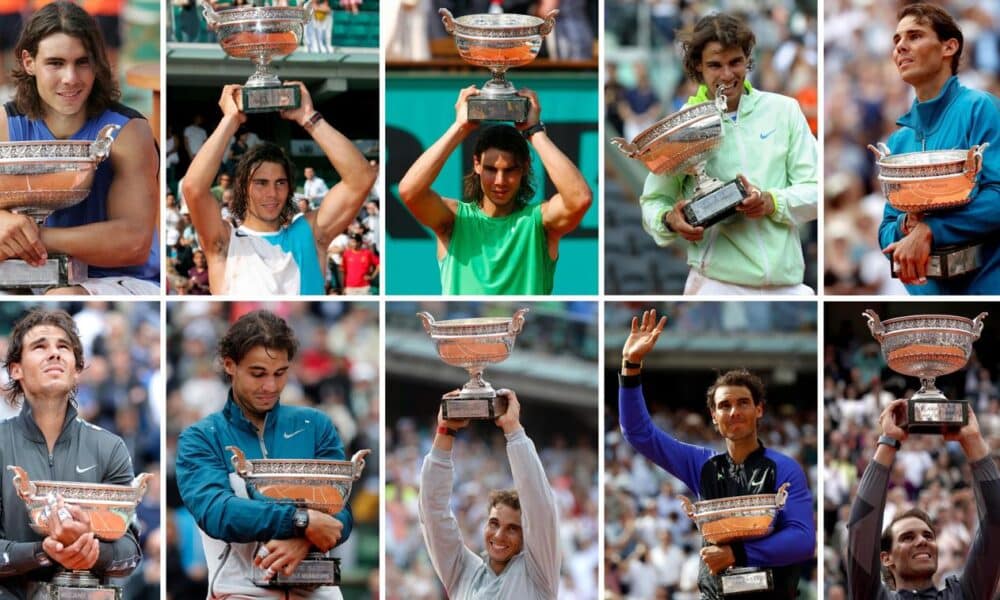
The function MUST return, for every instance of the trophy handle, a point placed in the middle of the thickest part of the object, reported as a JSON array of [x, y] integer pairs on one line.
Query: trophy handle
[[977, 323], [781, 496], [974, 161], [874, 325], [211, 17], [22, 484], [517, 321], [550, 21], [358, 460], [101, 147], [426, 317], [688, 506], [447, 20], [628, 149], [141, 482], [243, 466]]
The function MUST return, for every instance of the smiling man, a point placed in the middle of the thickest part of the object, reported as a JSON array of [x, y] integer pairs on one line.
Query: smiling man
[[521, 533], [493, 241], [767, 143], [735, 403], [51, 442], [238, 531], [907, 550], [275, 249], [945, 115], [67, 91]]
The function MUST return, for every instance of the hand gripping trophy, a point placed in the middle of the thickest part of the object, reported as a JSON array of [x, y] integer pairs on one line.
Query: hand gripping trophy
[[472, 344]]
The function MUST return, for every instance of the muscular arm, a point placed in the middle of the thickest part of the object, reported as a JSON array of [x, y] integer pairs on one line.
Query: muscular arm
[[539, 516], [426, 205], [126, 236], [564, 211], [342, 202], [213, 232], [982, 569]]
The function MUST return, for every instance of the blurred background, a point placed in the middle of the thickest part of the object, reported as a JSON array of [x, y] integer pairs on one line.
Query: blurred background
[[120, 390], [644, 75], [650, 545], [864, 97], [423, 69], [335, 371], [928, 473], [553, 370]]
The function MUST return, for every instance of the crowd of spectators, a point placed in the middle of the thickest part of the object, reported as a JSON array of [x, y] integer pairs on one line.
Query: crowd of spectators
[[335, 370], [864, 97]]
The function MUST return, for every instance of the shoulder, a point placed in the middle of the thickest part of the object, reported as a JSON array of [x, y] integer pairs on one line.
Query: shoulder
[[787, 466], [305, 414], [206, 428], [126, 112], [92, 433]]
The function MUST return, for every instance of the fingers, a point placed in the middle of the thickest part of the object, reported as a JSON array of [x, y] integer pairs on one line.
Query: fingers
[[682, 227]]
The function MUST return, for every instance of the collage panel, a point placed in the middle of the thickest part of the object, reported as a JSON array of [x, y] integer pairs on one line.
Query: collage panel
[[272, 149], [272, 479], [80, 425], [912, 149], [710, 449], [911, 424], [79, 128], [491, 508], [711, 160]]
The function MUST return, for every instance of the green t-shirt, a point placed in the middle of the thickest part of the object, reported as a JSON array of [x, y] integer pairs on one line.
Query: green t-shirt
[[502, 255]]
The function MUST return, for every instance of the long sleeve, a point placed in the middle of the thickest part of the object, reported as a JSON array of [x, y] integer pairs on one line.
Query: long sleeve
[[794, 538], [330, 447], [539, 516], [449, 555], [864, 528], [797, 202], [17, 558], [982, 569], [659, 195], [122, 556]]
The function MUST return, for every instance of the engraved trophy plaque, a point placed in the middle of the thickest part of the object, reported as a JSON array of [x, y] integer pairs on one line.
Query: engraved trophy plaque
[[734, 519], [919, 182], [682, 143], [472, 344], [111, 508], [322, 485], [928, 346], [498, 42], [261, 34], [38, 178]]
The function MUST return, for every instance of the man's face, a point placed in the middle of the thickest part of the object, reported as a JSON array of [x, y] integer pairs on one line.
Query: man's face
[[258, 379], [914, 551], [503, 534], [225, 181], [64, 73], [48, 365], [268, 192], [724, 66], [918, 53], [499, 175], [735, 414], [310, 173]]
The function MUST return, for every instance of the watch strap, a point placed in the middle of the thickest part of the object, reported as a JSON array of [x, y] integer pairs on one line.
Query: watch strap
[[626, 364], [889, 441], [527, 133]]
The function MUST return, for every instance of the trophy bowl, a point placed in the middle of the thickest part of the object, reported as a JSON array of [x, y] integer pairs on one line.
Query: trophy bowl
[[931, 180], [925, 346], [498, 42], [474, 343], [679, 142], [323, 485], [726, 520], [40, 177], [110, 507]]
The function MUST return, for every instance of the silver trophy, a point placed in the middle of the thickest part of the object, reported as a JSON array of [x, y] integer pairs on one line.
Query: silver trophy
[[472, 344], [919, 182], [322, 485], [681, 144], [111, 509], [735, 519], [928, 346], [498, 42], [38, 178], [261, 34]]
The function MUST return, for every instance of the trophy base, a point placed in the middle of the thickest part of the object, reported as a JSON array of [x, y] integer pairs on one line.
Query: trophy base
[[746, 580], [511, 108], [316, 569], [472, 405], [58, 271], [951, 261], [270, 98], [708, 209], [75, 586], [934, 414]]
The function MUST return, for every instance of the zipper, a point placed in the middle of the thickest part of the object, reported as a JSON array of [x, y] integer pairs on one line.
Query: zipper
[[52, 466], [260, 437], [222, 562]]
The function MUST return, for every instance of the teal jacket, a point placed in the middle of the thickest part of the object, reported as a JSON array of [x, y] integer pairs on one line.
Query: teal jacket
[[770, 143]]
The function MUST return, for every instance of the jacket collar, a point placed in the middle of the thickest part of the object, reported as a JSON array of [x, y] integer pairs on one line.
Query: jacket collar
[[923, 116], [234, 414], [747, 101], [26, 420]]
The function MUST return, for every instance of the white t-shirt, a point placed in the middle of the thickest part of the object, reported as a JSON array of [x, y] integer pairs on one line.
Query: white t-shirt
[[195, 137]]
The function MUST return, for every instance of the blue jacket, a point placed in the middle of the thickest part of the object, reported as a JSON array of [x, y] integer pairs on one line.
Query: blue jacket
[[204, 466], [957, 119]]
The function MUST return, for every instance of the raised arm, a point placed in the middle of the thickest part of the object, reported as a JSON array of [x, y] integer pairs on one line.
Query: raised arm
[[213, 231]]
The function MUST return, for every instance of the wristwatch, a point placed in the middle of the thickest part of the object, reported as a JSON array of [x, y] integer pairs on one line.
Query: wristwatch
[[301, 521], [889, 441], [527, 133]]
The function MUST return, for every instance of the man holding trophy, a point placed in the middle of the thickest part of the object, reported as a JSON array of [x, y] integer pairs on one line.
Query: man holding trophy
[[767, 152], [48, 441], [257, 547], [760, 566]]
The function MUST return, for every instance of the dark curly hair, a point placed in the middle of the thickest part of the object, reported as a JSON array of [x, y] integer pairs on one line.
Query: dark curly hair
[[728, 30], [940, 21], [257, 328], [740, 377], [505, 497], [37, 316], [69, 18], [245, 170], [506, 139]]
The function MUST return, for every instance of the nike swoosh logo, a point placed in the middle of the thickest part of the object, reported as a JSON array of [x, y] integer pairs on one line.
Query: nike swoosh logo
[[764, 136], [79, 470], [289, 436]]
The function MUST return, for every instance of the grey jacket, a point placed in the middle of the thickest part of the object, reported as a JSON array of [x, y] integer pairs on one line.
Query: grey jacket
[[83, 453]]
